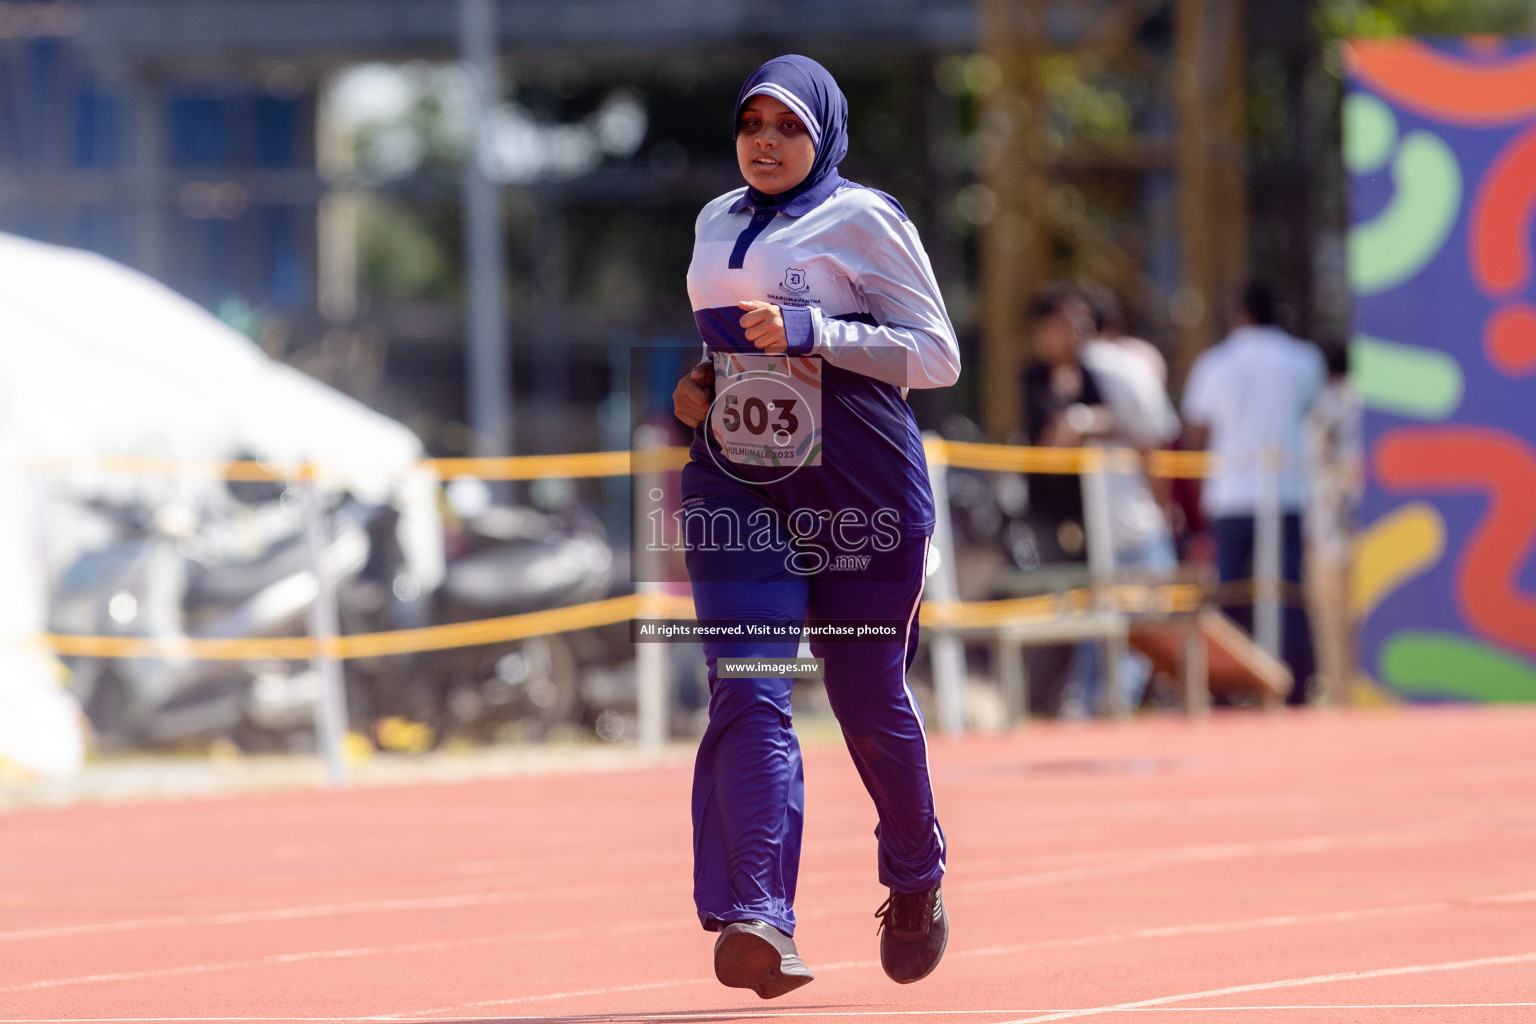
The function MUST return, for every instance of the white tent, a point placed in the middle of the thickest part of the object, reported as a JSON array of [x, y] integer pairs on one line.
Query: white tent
[[98, 360]]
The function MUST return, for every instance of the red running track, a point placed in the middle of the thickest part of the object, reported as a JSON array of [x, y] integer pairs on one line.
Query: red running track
[[1372, 866]]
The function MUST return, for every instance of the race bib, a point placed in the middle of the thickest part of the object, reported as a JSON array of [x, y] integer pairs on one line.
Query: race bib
[[767, 410]]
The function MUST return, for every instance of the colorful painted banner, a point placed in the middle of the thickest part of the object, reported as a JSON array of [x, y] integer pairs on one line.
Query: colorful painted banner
[[1440, 147]]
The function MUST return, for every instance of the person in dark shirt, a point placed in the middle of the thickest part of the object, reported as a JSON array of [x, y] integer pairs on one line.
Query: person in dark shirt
[[1063, 407]]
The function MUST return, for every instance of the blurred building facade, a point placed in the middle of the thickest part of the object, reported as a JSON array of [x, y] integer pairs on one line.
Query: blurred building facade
[[1031, 139]]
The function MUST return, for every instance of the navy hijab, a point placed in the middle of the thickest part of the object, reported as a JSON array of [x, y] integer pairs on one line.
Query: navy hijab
[[809, 90]]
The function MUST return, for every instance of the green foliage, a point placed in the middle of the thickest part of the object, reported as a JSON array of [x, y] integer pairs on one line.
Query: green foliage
[[401, 256], [1268, 118], [1338, 19], [428, 132], [1084, 100]]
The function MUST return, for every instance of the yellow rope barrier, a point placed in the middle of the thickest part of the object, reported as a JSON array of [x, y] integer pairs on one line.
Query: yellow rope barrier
[[1171, 598], [489, 631], [297, 648], [209, 469], [1186, 465], [520, 467], [569, 467], [959, 454], [1001, 458]]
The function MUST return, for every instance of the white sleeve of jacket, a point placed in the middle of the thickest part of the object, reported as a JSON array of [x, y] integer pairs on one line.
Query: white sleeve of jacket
[[914, 346]]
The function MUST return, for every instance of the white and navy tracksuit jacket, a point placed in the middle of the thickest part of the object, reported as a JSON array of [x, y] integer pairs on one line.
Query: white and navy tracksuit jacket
[[856, 291], [833, 441]]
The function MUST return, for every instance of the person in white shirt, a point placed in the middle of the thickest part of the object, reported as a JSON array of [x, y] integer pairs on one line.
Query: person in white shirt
[[1336, 450], [1132, 379], [1247, 400]]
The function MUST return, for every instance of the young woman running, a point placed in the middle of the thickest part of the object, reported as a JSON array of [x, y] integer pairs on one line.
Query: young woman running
[[806, 500]]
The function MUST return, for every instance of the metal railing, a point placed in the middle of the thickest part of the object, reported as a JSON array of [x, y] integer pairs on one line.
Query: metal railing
[[942, 612]]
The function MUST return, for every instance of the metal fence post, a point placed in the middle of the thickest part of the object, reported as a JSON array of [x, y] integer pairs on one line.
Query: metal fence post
[[652, 660], [1012, 676], [331, 710], [1197, 679], [1268, 623], [487, 347], [1098, 538], [948, 653]]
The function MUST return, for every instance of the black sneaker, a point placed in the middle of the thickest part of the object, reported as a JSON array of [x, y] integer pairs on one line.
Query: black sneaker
[[756, 955], [914, 929]]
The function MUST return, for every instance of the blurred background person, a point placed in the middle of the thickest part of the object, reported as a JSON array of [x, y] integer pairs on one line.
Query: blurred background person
[[1334, 445], [1063, 408], [1247, 397], [1110, 327], [1131, 376]]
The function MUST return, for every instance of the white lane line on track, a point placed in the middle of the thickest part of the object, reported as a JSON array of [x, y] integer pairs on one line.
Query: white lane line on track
[[1160, 932], [695, 1015], [1263, 986], [278, 959], [234, 965], [251, 916], [1323, 1006], [1138, 861], [1107, 864], [1215, 928], [458, 1009], [1208, 852], [316, 910], [1169, 931]]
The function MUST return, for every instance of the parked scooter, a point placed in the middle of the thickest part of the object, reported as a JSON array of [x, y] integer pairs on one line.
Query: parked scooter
[[503, 561], [247, 575]]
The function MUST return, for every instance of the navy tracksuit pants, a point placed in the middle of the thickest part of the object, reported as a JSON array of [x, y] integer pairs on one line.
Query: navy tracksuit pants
[[1235, 563], [749, 788]]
